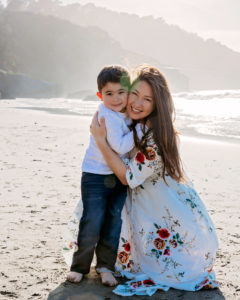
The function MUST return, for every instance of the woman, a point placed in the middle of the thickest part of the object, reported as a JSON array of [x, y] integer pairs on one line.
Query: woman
[[168, 239]]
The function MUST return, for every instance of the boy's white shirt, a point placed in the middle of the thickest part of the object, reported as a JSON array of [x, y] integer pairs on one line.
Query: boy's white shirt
[[119, 137]]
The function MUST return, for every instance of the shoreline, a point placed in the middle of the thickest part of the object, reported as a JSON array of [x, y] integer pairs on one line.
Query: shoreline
[[185, 133]]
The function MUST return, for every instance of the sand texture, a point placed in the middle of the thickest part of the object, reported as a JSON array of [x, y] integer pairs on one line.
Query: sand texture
[[40, 163]]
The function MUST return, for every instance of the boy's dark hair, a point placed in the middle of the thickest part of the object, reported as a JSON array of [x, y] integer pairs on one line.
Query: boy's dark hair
[[114, 73]]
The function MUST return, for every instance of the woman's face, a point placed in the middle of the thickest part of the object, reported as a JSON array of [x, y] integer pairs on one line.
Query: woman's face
[[140, 101]]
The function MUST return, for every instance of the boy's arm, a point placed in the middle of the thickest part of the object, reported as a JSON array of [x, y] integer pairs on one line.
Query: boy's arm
[[119, 142]]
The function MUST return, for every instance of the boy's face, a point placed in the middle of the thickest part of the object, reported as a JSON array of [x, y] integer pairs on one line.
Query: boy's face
[[114, 96]]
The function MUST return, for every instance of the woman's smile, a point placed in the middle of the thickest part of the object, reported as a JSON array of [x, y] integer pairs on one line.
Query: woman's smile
[[135, 110]]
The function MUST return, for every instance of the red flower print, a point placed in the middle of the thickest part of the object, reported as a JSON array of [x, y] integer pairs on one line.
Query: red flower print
[[206, 281], [148, 282], [123, 257], [136, 284], [206, 284], [210, 270], [150, 154], [173, 243], [130, 264], [166, 252], [127, 247], [70, 245], [159, 243], [163, 233], [140, 158]]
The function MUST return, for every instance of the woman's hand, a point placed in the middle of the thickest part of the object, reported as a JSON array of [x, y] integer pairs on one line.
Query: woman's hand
[[98, 131]]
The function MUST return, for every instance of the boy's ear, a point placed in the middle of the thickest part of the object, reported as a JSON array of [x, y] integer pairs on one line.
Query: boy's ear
[[99, 95]]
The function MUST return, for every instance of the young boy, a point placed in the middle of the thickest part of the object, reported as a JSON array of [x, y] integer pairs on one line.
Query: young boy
[[103, 195]]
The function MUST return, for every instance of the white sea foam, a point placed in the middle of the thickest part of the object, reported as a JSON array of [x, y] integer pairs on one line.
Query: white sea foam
[[213, 113]]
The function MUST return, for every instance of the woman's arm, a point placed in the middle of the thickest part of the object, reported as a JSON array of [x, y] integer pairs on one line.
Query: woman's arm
[[113, 160]]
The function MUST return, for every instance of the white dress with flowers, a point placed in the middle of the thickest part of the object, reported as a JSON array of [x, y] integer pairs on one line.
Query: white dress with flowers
[[168, 239]]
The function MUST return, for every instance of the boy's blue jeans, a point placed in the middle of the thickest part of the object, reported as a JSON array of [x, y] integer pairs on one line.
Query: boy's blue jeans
[[103, 197]]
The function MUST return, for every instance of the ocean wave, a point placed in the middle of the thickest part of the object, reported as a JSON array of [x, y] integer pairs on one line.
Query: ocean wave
[[207, 95], [217, 116]]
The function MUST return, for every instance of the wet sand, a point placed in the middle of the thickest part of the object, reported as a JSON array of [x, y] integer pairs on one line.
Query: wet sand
[[40, 164]]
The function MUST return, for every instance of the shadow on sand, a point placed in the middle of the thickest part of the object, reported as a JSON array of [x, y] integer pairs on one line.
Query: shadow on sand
[[90, 288]]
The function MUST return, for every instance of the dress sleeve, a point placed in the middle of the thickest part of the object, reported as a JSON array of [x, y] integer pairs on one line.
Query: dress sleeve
[[141, 166]]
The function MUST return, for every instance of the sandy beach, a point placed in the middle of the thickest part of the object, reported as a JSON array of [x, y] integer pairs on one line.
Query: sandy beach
[[40, 162]]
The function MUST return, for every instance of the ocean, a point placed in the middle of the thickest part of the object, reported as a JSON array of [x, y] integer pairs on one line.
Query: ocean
[[206, 114]]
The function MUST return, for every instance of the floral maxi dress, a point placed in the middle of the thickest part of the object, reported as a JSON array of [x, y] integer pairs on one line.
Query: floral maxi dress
[[168, 239]]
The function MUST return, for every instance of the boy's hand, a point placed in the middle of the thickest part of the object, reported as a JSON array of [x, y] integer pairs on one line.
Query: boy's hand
[[98, 131]]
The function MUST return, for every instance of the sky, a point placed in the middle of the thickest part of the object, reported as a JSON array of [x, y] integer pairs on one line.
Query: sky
[[218, 19]]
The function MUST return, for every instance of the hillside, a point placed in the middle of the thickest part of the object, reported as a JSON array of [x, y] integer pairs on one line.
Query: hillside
[[59, 54], [207, 64], [54, 50]]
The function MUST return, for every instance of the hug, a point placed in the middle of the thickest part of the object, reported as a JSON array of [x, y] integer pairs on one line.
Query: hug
[[139, 213]]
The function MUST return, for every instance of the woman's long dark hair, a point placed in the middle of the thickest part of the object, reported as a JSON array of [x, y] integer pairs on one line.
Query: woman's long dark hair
[[161, 120]]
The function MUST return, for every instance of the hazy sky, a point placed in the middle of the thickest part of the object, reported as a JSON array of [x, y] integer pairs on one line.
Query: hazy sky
[[219, 19]]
